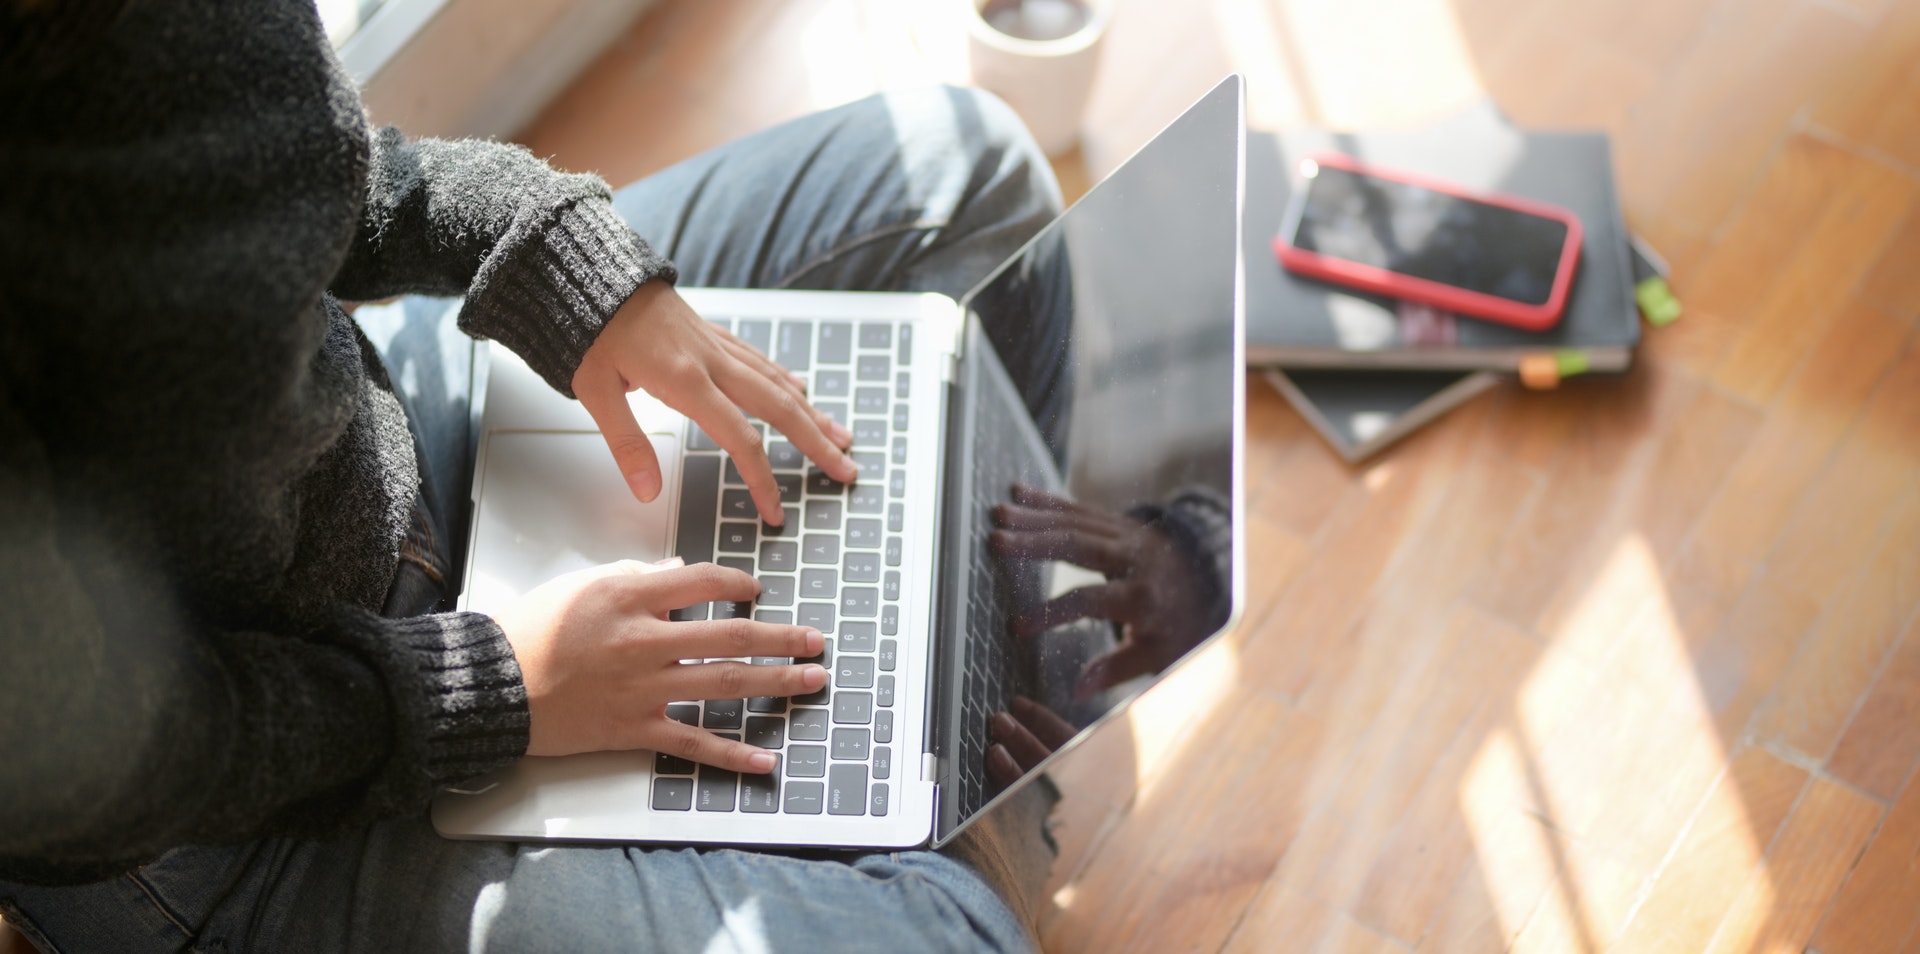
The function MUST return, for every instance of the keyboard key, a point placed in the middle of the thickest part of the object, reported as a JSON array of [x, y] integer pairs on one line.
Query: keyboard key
[[883, 693], [822, 515], [793, 346], [883, 726], [866, 498], [875, 334], [731, 474], [688, 614], [859, 602], [729, 609], [806, 761], [897, 482], [820, 548], [774, 704], [833, 409], [856, 637], [852, 708], [854, 672], [861, 567], [902, 386], [699, 495], [743, 564], [900, 450], [882, 761], [724, 713], [900, 416], [787, 529], [896, 518], [869, 432], [850, 745], [760, 794], [836, 342], [778, 617], [785, 456], [889, 655], [808, 725], [873, 367], [847, 790], [803, 798], [890, 587], [776, 590], [819, 584], [871, 462], [905, 355], [739, 537], [767, 732], [889, 620], [870, 401], [757, 332], [817, 615], [717, 790], [779, 556], [863, 533], [738, 505], [820, 484], [699, 440], [685, 713], [672, 794], [664, 764], [893, 551], [830, 383], [877, 801], [790, 487]]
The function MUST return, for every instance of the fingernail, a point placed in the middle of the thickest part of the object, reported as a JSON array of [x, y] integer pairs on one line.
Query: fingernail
[[815, 642], [799, 380], [839, 432], [670, 562], [813, 677], [853, 467], [761, 761], [645, 484], [1001, 724]]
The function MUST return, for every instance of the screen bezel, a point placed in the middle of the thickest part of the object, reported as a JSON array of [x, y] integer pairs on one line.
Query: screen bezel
[[1531, 317]]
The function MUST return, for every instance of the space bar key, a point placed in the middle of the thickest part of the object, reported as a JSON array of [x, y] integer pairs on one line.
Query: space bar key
[[699, 504]]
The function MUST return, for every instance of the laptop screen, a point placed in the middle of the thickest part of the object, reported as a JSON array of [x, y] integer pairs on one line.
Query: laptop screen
[[1098, 545]]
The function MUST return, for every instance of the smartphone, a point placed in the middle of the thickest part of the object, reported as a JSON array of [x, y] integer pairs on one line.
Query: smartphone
[[1498, 257]]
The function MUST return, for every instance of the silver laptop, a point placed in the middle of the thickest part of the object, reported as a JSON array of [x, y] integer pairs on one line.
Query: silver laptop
[[1100, 367]]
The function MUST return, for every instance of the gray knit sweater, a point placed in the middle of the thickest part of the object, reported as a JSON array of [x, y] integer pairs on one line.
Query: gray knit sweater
[[204, 478]]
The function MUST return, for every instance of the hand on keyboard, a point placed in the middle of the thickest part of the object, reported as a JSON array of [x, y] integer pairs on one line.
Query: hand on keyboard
[[1153, 586], [601, 661], [656, 343]]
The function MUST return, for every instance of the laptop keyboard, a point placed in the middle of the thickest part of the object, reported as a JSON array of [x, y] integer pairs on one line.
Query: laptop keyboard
[[835, 565]]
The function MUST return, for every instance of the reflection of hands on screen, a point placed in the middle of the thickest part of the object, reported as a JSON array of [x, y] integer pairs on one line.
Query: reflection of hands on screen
[[1023, 738], [1154, 588]]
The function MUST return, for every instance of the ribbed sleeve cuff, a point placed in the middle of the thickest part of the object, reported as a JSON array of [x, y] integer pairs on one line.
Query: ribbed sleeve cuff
[[475, 708], [549, 296]]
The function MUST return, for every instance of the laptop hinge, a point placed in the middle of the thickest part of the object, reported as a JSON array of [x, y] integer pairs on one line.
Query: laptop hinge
[[929, 767]]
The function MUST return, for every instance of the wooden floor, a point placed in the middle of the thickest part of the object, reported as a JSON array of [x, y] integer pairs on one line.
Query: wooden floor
[[1631, 665]]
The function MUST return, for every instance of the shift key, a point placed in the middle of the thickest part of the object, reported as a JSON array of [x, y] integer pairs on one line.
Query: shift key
[[699, 502]]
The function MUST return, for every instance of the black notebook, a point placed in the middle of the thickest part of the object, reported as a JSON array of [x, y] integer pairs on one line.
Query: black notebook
[[1298, 322]]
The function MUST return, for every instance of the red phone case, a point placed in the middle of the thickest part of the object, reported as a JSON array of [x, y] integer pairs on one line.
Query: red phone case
[[1370, 278]]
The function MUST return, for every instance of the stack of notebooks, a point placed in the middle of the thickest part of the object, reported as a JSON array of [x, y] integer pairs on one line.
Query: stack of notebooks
[[1366, 370]]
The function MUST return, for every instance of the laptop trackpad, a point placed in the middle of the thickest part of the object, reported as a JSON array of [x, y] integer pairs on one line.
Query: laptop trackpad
[[553, 502]]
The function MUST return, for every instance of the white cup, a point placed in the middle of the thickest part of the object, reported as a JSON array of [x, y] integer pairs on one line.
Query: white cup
[[1047, 82]]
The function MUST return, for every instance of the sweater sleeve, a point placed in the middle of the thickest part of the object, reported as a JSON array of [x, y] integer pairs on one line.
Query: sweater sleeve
[[541, 256], [133, 727]]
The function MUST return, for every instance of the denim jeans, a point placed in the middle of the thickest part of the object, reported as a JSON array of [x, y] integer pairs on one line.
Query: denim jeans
[[926, 190]]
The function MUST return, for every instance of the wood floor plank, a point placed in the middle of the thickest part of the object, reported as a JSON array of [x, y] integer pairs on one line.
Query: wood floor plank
[[1878, 907], [1843, 241], [1793, 443], [1170, 876], [1894, 284], [1723, 847], [1780, 906], [1881, 745], [1855, 101]]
